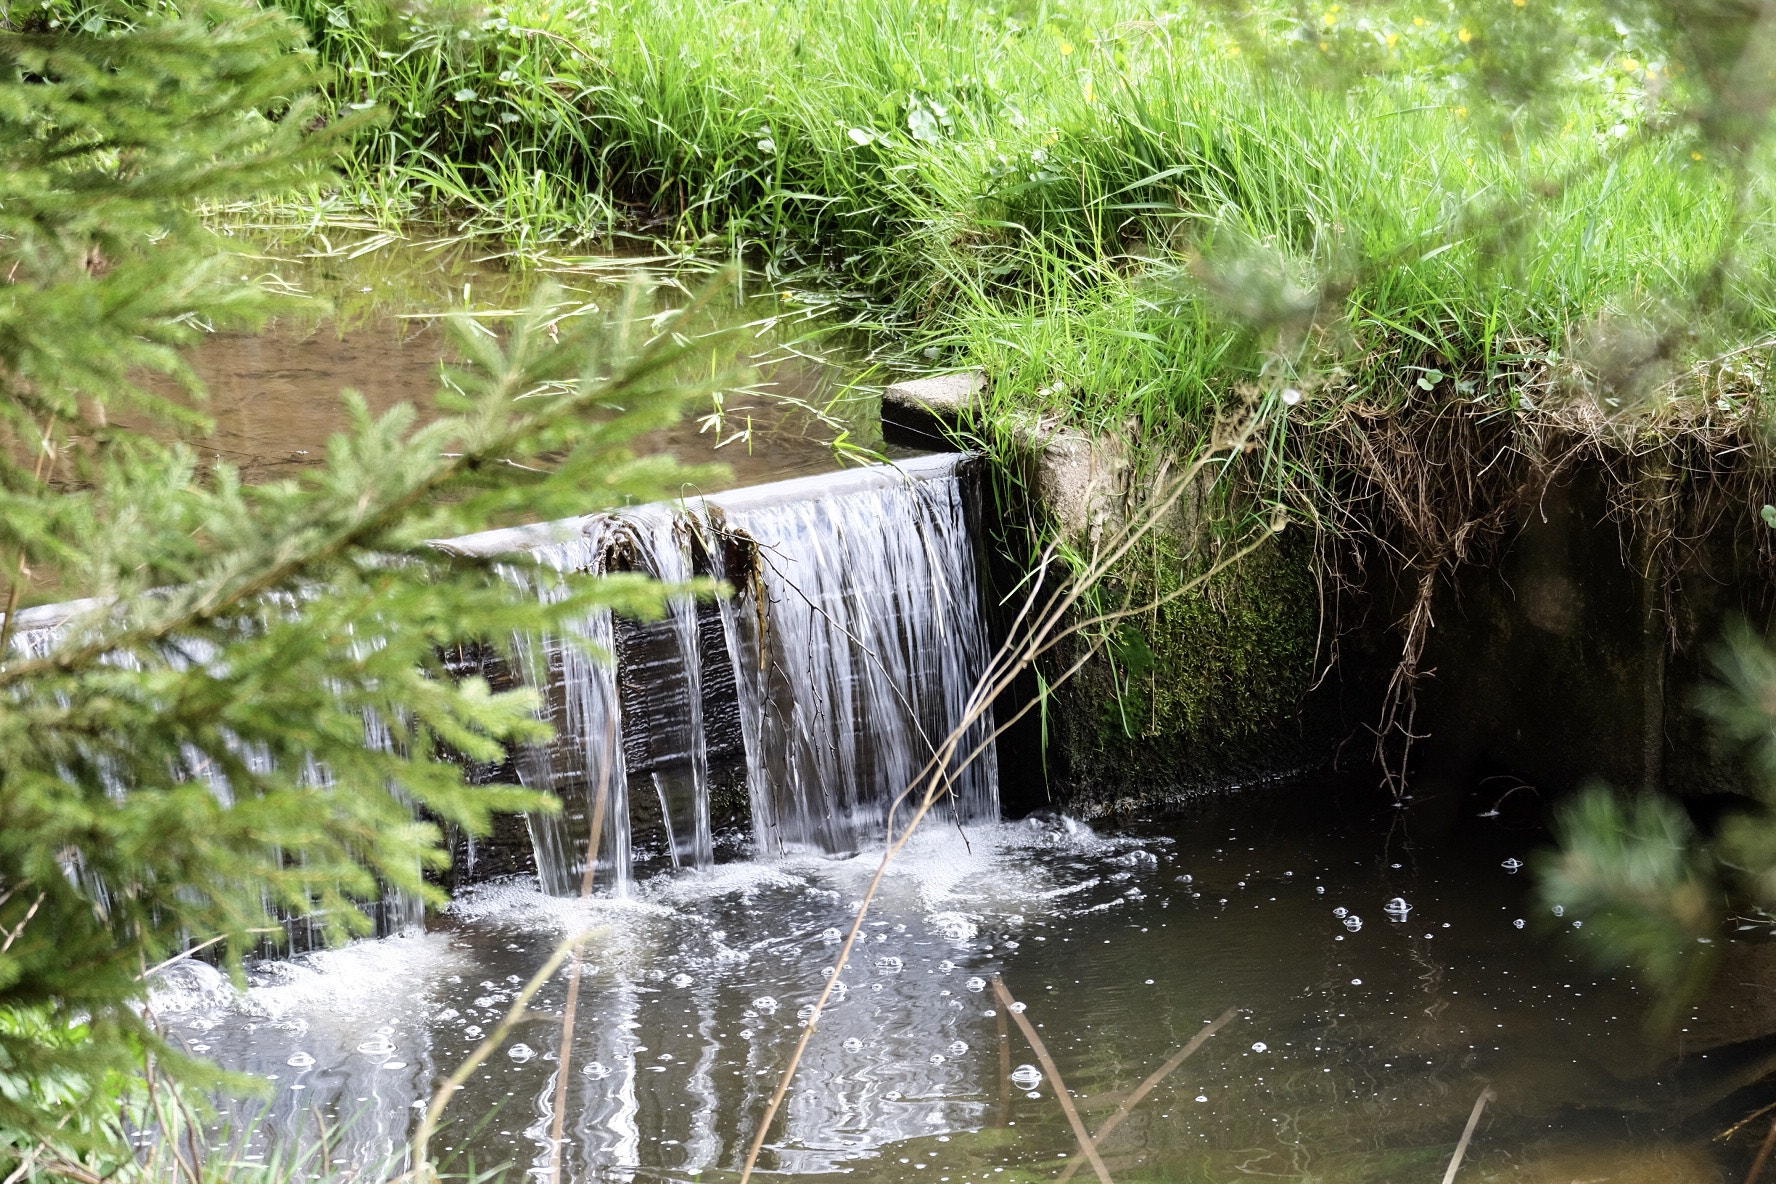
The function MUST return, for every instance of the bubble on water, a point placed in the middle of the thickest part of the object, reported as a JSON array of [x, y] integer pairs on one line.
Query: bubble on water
[[937, 1058], [957, 1048], [1187, 879], [596, 1070], [1518, 923], [1033, 1094], [449, 1013], [1260, 1046], [300, 1061], [1138, 858], [955, 926], [1397, 908], [1026, 1077], [1560, 910], [521, 1052], [394, 1064], [1353, 923], [377, 1046], [946, 966], [682, 980], [513, 979], [1320, 889], [976, 984], [746, 1033], [828, 971], [485, 1001], [1578, 924], [852, 1044], [805, 1013], [894, 1095], [1356, 982], [1010, 945], [889, 964], [1019, 1006], [830, 935], [472, 1031], [1340, 911], [1512, 864], [765, 1003], [1202, 1097]]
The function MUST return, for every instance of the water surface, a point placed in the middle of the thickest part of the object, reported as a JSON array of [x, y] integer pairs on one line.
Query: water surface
[[1364, 1035]]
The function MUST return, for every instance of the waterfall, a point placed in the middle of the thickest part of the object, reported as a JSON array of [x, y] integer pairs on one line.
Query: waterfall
[[855, 638], [857, 652], [844, 658]]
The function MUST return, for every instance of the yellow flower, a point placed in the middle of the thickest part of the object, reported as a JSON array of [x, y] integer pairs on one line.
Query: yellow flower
[[1331, 18], [1324, 46], [1630, 64], [1464, 36], [1461, 112], [1393, 40], [1418, 22], [1066, 49], [1695, 156], [1233, 51]]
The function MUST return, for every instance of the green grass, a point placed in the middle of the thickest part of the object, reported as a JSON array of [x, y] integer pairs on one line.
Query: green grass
[[1128, 205]]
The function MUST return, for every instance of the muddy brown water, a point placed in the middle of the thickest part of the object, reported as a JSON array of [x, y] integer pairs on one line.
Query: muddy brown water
[[274, 396]]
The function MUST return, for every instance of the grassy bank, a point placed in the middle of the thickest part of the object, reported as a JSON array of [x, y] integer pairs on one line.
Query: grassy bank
[[1117, 209]]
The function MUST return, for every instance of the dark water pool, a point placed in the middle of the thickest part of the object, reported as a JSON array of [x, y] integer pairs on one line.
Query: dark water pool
[[1365, 1033]]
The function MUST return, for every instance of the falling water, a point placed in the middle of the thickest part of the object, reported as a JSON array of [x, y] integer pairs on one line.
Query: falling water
[[859, 652], [855, 636], [578, 677]]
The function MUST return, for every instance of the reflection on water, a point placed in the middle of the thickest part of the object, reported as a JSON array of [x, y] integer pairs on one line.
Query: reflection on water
[[274, 396], [1365, 1036]]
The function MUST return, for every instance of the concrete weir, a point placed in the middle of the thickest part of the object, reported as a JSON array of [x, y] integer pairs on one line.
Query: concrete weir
[[804, 700]]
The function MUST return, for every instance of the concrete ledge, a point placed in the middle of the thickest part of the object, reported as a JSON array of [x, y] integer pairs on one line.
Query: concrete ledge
[[929, 412]]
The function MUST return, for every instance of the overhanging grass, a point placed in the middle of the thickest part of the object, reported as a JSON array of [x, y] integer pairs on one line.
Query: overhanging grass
[[1011, 179]]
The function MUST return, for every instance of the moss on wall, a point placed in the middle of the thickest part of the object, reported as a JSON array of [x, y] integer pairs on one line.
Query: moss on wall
[[1205, 691]]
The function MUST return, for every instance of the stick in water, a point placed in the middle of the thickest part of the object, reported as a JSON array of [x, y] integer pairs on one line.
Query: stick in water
[[1461, 1148], [557, 1138], [1054, 1079], [1146, 1087]]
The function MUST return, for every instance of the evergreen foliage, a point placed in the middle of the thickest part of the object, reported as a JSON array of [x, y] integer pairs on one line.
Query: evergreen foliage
[[189, 756]]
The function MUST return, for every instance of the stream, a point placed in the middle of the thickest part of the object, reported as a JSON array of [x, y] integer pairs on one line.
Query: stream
[[1383, 979]]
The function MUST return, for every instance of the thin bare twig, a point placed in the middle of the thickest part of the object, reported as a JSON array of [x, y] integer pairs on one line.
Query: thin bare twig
[[564, 1057], [1461, 1148], [1146, 1087], [421, 1171], [1757, 1165], [1086, 1146]]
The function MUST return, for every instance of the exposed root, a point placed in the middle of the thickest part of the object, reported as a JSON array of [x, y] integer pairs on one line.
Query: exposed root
[[1436, 485]]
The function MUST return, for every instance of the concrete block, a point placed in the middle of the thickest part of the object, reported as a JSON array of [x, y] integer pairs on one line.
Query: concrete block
[[927, 412]]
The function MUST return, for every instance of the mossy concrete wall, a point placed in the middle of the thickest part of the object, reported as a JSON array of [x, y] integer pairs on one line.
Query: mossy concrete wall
[[1211, 690]]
